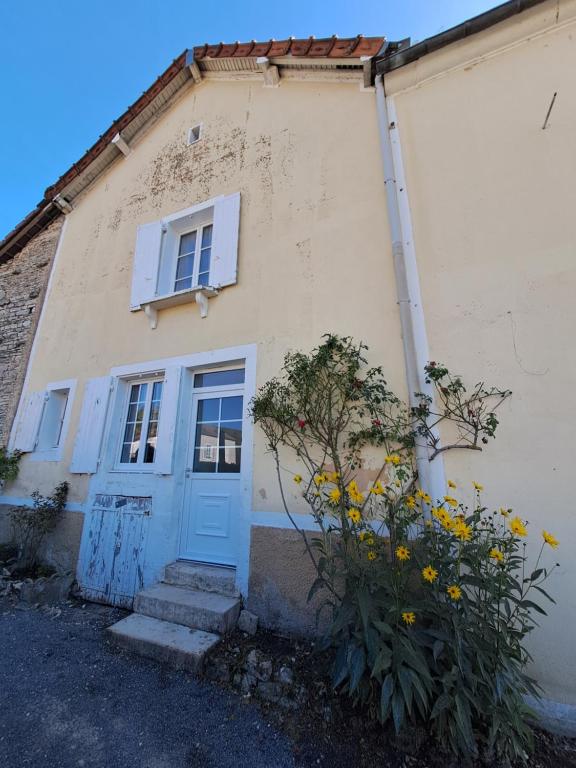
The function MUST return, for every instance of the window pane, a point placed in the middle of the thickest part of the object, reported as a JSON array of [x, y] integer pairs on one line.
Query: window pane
[[216, 378], [133, 425], [182, 285], [204, 461], [151, 437], [187, 243], [204, 278], [231, 433], [231, 408], [229, 459], [205, 260], [209, 410], [184, 267], [207, 236], [207, 438]]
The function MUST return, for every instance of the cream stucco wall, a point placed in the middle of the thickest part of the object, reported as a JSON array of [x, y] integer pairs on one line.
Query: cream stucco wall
[[492, 198], [314, 252]]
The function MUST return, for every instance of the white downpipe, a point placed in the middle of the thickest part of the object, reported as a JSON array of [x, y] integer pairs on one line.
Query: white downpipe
[[414, 338]]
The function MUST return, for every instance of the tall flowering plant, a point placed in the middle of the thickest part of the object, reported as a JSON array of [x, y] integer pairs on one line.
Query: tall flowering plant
[[430, 599]]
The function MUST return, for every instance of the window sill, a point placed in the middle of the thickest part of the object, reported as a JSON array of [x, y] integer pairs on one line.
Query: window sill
[[199, 293]]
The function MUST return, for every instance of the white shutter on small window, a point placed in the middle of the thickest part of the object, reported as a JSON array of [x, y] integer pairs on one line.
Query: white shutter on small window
[[26, 432], [146, 263], [224, 267], [168, 421], [91, 426]]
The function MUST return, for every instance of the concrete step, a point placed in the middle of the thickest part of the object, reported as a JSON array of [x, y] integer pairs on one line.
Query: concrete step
[[190, 607], [206, 578], [164, 641]]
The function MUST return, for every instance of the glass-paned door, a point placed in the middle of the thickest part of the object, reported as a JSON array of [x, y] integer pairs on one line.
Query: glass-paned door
[[212, 496]]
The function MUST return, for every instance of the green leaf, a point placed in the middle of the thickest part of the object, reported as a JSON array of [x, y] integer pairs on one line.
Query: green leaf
[[317, 585], [532, 606], [442, 702], [397, 711], [364, 605], [406, 685], [357, 667], [386, 696], [383, 661]]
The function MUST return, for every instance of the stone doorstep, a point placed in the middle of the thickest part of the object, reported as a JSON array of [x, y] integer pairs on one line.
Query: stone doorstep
[[206, 578], [179, 646], [208, 611]]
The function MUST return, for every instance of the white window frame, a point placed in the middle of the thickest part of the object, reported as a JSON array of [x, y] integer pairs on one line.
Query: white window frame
[[55, 453], [140, 465]]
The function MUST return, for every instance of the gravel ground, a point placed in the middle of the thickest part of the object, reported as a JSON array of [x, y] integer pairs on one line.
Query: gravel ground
[[68, 698]]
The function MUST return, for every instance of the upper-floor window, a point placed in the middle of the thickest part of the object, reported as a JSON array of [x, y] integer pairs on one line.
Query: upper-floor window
[[52, 421], [186, 256], [193, 262], [141, 419]]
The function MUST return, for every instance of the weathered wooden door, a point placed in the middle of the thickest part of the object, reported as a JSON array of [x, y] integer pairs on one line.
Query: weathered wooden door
[[112, 549]]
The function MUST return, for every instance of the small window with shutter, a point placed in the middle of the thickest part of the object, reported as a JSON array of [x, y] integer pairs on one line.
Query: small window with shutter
[[187, 256], [42, 421]]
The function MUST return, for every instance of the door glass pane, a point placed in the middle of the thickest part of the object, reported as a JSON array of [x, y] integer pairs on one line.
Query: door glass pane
[[229, 459], [207, 441], [216, 378], [209, 410], [231, 408]]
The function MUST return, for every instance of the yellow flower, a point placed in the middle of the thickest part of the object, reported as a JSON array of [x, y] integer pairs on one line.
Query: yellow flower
[[451, 501], [377, 488], [518, 527], [409, 617], [354, 515], [443, 517], [393, 459], [477, 486], [370, 541], [298, 479], [462, 531], [354, 492], [362, 535], [320, 479], [334, 495], [549, 539], [333, 477], [402, 553], [451, 484], [496, 554], [454, 591], [410, 502], [420, 494], [371, 555], [429, 574], [504, 512]]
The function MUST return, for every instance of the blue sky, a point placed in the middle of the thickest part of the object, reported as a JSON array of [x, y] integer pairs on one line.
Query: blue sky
[[68, 68]]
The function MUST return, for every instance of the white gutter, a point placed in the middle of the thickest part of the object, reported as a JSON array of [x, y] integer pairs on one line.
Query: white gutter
[[414, 338]]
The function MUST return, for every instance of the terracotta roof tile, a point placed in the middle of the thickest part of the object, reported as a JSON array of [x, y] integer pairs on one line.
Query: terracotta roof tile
[[349, 47]]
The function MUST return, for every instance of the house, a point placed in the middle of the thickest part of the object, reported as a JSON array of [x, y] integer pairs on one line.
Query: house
[[260, 195]]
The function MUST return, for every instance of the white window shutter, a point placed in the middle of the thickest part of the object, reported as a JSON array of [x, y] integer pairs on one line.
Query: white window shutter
[[26, 433], [91, 426], [146, 263], [168, 421], [224, 267]]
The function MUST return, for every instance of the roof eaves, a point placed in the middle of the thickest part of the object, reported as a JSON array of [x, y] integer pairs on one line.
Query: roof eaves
[[406, 54]]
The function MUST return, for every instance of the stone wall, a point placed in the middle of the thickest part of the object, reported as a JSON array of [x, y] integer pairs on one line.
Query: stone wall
[[23, 282]]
